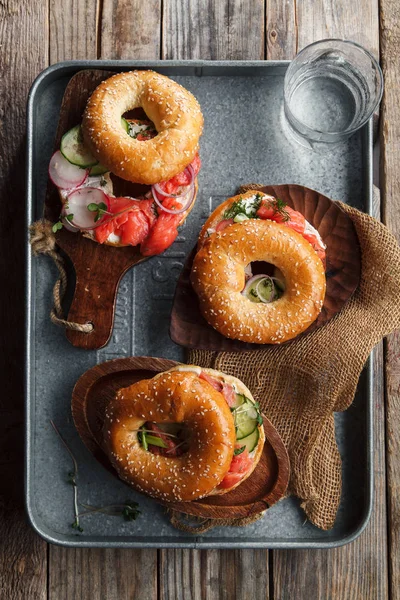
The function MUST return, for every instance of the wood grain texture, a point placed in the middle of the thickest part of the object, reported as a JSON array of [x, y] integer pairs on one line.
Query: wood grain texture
[[23, 54], [281, 29], [182, 573], [359, 570], [73, 29], [130, 30], [132, 571], [317, 20], [99, 574], [213, 575], [390, 181], [213, 29]]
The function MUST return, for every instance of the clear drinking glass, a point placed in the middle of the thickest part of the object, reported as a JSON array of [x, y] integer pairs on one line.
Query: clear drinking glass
[[331, 89]]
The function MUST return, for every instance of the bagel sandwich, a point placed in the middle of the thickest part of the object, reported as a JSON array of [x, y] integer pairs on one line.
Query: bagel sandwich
[[185, 434], [259, 271], [156, 154]]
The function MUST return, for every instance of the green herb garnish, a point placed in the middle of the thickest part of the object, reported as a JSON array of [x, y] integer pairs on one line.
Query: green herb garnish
[[100, 209], [238, 451], [279, 208], [57, 226], [129, 511], [155, 441], [143, 438]]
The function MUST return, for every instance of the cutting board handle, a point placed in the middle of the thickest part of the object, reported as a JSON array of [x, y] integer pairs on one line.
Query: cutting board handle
[[93, 302]]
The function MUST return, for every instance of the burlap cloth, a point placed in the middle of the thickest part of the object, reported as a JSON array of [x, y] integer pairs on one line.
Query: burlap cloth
[[299, 385]]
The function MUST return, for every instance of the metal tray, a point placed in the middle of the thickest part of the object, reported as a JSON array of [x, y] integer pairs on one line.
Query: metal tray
[[243, 141]]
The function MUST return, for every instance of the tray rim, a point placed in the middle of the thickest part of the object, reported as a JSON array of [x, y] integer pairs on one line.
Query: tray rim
[[198, 542]]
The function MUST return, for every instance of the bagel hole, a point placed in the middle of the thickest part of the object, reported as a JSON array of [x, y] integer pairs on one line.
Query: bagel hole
[[178, 433], [260, 267], [136, 113], [140, 115]]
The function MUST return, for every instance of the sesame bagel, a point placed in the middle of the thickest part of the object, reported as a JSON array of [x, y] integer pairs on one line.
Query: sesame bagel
[[185, 395], [218, 277], [174, 111]]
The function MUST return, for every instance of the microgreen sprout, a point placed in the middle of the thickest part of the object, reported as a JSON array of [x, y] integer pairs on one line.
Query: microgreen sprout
[[129, 511], [72, 478], [99, 208], [59, 225]]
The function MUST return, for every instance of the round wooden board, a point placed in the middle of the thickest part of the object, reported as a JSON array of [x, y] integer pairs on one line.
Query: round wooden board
[[96, 387], [343, 269]]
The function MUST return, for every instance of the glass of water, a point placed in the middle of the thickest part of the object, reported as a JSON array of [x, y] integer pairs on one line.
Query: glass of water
[[331, 89]]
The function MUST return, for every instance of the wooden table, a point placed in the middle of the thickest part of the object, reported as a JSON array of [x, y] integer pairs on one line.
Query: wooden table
[[36, 33]]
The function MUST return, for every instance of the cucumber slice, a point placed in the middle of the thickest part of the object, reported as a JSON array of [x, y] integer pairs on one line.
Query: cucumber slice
[[125, 125], [251, 440], [98, 169], [240, 218], [246, 419], [155, 441], [240, 398], [74, 149]]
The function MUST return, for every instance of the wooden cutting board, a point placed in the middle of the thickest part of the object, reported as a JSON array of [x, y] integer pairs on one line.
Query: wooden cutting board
[[98, 268], [95, 388]]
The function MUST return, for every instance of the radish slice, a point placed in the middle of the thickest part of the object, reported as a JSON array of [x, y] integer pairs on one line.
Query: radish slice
[[77, 205], [68, 225], [64, 174], [177, 211]]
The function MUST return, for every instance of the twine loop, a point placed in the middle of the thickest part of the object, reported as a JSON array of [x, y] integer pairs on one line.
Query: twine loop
[[43, 241]]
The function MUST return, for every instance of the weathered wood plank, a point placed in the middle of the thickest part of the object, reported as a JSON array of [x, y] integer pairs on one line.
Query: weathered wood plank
[[90, 573], [360, 569], [213, 575], [332, 19], [390, 182], [213, 30], [23, 54], [73, 30], [130, 30], [97, 574], [281, 28], [223, 29]]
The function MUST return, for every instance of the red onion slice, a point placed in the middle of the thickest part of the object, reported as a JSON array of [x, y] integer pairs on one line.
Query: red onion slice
[[162, 192], [259, 278], [64, 174], [250, 282], [185, 207], [77, 205]]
